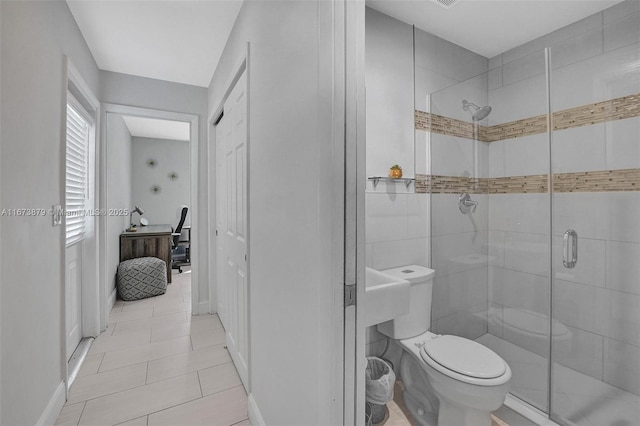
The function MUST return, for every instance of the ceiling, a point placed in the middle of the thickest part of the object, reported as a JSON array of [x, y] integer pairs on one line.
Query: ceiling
[[182, 40], [490, 27], [175, 40], [155, 128]]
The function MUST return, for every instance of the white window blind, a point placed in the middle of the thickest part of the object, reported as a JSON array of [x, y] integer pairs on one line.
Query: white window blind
[[78, 128]]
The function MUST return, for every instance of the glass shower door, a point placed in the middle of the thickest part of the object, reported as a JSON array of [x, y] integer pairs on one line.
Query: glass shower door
[[488, 143], [595, 175]]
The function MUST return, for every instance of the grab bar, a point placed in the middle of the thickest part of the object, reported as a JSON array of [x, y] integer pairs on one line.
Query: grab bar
[[572, 235]]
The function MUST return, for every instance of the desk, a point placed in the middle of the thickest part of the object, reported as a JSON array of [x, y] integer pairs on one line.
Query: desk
[[154, 240]]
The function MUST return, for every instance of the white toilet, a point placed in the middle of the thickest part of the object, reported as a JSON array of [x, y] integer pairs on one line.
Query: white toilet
[[449, 380]]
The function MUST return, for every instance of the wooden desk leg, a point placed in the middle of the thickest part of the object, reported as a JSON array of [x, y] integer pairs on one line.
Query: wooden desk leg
[[165, 253]]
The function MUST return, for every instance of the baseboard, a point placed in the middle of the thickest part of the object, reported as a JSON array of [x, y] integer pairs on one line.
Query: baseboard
[[51, 413], [203, 307], [255, 417]]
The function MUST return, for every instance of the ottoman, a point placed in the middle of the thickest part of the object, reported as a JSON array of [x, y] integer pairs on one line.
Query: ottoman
[[141, 278]]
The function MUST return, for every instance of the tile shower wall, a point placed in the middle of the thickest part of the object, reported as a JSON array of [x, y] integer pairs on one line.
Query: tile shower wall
[[389, 86], [598, 301], [459, 241], [519, 222], [397, 218]]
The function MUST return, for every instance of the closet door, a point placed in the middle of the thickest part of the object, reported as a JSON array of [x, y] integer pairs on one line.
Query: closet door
[[233, 226]]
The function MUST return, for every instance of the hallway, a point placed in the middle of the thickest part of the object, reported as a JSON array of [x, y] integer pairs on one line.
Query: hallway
[[157, 365]]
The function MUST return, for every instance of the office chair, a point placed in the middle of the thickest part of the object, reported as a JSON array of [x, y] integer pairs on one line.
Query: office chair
[[180, 249]]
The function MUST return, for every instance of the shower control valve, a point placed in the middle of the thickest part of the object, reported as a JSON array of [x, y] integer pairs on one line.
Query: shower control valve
[[466, 204]]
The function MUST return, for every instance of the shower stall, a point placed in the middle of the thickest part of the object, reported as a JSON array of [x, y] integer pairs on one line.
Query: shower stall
[[533, 171]]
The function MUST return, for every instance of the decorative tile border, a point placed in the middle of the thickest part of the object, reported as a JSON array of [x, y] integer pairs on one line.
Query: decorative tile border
[[450, 184], [600, 112], [592, 181], [596, 181], [514, 129], [444, 125], [422, 120], [421, 184], [535, 184]]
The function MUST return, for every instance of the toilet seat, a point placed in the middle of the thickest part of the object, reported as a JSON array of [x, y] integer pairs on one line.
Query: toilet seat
[[465, 360]]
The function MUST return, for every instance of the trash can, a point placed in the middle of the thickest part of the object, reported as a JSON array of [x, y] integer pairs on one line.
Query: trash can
[[380, 379]]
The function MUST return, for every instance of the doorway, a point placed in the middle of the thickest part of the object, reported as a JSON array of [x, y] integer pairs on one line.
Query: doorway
[[150, 162], [78, 199], [77, 219]]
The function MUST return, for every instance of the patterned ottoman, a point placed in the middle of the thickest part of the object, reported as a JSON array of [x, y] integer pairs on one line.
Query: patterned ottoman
[[142, 277]]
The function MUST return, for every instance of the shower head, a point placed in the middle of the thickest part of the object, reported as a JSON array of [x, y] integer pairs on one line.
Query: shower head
[[477, 113]]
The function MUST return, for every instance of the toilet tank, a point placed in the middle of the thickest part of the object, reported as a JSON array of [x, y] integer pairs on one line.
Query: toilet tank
[[418, 320]]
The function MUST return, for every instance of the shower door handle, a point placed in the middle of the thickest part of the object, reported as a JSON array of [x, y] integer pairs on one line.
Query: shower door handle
[[570, 238]]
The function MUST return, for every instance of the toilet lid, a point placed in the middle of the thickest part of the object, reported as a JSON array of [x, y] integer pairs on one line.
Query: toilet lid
[[464, 356]]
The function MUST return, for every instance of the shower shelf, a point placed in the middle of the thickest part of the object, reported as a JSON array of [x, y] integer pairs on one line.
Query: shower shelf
[[376, 179]]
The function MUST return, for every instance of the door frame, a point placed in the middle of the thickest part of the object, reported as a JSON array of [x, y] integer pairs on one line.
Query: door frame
[[241, 67], [108, 298], [353, 142], [90, 322]]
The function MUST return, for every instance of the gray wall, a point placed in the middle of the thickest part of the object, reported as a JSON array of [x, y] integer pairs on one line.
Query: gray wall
[[171, 156], [290, 226], [118, 190], [143, 92], [35, 37]]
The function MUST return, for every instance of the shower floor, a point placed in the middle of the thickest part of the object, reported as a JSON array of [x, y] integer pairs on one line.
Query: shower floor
[[578, 398]]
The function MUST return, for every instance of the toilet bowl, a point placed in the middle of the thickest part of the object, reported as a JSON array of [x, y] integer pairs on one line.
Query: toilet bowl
[[448, 380]]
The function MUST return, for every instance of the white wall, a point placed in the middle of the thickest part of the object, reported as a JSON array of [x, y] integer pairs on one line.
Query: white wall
[[399, 230], [290, 209], [35, 37], [143, 92], [118, 195], [171, 156]]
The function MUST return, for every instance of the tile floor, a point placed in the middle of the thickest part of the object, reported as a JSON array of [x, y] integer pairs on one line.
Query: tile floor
[[157, 365]]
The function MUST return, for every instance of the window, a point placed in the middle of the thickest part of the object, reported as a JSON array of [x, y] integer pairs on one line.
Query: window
[[76, 187]]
